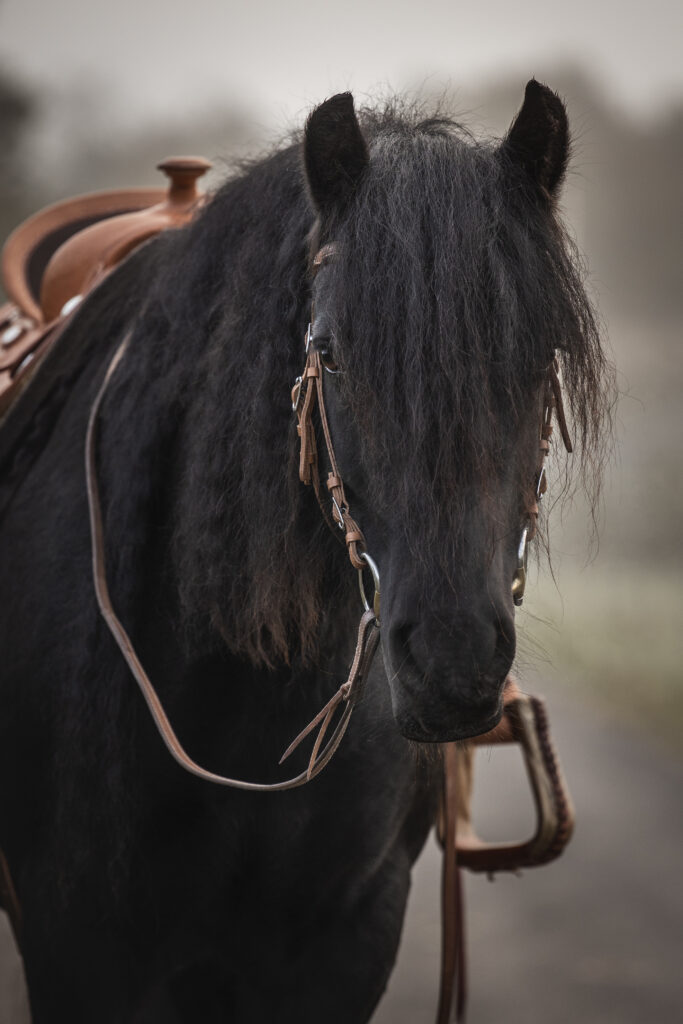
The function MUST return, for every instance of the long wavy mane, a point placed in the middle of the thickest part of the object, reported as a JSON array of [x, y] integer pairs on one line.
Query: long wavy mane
[[455, 284]]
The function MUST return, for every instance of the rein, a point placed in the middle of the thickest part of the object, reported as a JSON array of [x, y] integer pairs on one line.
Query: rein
[[350, 692]]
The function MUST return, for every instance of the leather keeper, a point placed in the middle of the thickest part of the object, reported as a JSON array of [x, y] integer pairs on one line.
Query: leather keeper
[[354, 537]]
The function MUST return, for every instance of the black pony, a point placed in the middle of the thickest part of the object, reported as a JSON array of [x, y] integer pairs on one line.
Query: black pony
[[147, 894]]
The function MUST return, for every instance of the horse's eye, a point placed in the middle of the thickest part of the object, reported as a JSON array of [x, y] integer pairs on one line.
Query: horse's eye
[[327, 359]]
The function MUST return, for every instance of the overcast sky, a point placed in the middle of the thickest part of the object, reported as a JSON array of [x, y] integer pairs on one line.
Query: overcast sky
[[279, 57]]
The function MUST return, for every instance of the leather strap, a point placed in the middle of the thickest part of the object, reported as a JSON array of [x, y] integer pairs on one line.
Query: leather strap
[[453, 981], [351, 691], [310, 386], [18, 365], [348, 694], [558, 405]]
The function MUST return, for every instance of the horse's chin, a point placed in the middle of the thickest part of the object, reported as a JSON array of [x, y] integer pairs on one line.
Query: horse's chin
[[445, 720], [418, 731]]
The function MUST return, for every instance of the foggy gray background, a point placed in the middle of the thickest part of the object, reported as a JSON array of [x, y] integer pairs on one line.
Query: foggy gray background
[[93, 95]]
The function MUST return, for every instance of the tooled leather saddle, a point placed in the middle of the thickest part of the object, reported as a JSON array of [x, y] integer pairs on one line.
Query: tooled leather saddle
[[55, 258]]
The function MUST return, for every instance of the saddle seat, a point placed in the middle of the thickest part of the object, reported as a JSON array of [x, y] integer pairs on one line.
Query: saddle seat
[[57, 256]]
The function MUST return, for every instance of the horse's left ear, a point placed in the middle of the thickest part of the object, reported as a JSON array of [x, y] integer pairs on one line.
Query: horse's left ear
[[539, 137], [335, 153]]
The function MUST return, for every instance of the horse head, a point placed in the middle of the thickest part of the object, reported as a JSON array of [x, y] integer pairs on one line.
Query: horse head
[[448, 292]]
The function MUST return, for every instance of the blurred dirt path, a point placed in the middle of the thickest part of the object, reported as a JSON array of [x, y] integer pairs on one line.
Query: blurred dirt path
[[596, 937]]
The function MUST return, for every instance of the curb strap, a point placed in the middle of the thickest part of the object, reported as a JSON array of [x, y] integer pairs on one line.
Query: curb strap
[[348, 694]]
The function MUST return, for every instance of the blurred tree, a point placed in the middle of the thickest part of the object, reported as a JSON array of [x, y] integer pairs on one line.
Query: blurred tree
[[623, 196]]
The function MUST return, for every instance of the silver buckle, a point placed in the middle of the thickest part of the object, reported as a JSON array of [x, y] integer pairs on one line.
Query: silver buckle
[[335, 504], [296, 393]]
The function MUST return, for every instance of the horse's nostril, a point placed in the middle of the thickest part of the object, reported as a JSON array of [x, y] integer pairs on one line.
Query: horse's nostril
[[467, 647]]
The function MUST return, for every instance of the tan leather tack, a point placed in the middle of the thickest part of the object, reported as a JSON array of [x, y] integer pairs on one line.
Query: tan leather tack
[[91, 235], [309, 471], [453, 979], [54, 221], [348, 693], [525, 722]]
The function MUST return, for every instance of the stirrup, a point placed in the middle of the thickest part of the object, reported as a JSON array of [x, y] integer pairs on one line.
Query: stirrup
[[525, 721]]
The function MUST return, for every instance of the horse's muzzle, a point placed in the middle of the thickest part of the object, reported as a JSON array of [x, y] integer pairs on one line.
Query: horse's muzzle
[[447, 684]]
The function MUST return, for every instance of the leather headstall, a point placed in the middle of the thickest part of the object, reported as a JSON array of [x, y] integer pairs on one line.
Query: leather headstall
[[308, 391]]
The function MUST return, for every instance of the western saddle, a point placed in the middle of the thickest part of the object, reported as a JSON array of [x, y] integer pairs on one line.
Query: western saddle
[[56, 257]]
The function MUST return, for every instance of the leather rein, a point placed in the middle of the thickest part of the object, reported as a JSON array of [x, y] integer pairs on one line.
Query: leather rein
[[350, 692]]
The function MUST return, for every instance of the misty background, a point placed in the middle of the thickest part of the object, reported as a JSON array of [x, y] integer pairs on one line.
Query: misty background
[[92, 96]]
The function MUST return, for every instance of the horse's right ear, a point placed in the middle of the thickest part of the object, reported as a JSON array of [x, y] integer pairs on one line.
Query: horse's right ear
[[335, 153]]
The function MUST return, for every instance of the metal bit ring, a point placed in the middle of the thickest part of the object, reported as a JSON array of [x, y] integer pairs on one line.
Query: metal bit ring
[[372, 566]]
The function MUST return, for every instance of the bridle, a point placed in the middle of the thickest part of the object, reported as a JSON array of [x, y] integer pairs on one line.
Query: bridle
[[350, 692], [308, 389], [307, 393]]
